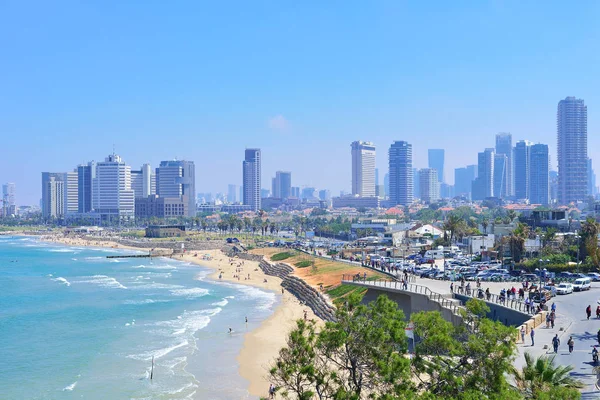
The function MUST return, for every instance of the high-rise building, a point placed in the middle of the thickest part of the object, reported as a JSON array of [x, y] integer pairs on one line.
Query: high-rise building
[[8, 194], [571, 126], [591, 179], [500, 173], [429, 185], [112, 196], [71, 193], [296, 192], [8, 199], [416, 184], [504, 146], [231, 193], [324, 195], [85, 176], [463, 179], [143, 181], [436, 161], [521, 169], [309, 193], [386, 184], [177, 178], [483, 185], [251, 178], [363, 169], [553, 186], [53, 195], [539, 181], [282, 185], [401, 173]]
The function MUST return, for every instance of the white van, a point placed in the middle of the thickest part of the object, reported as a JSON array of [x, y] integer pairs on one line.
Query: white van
[[582, 284], [434, 254]]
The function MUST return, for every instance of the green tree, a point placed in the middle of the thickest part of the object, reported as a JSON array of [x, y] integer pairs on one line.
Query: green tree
[[361, 355], [588, 241], [541, 379], [452, 361]]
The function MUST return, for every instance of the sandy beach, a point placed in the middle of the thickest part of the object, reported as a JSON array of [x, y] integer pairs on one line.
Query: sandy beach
[[261, 345]]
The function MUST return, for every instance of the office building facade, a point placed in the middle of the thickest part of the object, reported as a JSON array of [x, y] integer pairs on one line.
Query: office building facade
[[483, 185], [282, 185], [53, 195], [143, 181], [521, 169], [500, 175], [429, 185], [504, 146], [401, 173], [363, 168], [571, 126], [463, 179], [112, 196], [251, 178], [539, 175], [435, 160], [85, 176], [177, 178]]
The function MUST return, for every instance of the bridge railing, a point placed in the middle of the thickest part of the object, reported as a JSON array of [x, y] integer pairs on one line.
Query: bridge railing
[[440, 298], [408, 287]]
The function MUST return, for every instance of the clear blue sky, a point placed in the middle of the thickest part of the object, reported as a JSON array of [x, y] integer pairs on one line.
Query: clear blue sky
[[301, 80]]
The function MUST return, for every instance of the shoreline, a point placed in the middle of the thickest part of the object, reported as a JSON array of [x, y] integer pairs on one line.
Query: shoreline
[[260, 345]]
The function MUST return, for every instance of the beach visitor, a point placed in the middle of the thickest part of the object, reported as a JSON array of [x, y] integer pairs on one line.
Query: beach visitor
[[523, 334], [271, 391], [532, 334], [451, 287], [230, 331], [547, 320], [555, 343], [571, 344], [588, 311]]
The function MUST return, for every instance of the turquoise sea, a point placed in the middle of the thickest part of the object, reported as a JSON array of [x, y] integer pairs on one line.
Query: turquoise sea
[[76, 325]]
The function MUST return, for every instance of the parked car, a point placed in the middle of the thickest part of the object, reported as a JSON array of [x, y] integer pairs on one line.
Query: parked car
[[529, 277], [594, 276], [582, 284], [564, 288]]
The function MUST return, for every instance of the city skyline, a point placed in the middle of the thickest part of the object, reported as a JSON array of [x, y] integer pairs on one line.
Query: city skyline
[[346, 84]]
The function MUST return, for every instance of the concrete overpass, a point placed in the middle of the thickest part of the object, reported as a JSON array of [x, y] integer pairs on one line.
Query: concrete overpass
[[414, 298]]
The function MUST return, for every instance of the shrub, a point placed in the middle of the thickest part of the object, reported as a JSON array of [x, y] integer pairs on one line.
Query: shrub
[[304, 264], [282, 256]]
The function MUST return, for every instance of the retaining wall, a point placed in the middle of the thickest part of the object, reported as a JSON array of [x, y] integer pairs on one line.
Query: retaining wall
[[302, 290]]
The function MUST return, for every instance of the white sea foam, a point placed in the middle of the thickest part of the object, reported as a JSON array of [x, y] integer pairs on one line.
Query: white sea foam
[[159, 267], [158, 353], [62, 280], [221, 303], [189, 322], [103, 281], [190, 292], [70, 387], [73, 259], [154, 285], [230, 297], [183, 388], [61, 250], [144, 301], [265, 299]]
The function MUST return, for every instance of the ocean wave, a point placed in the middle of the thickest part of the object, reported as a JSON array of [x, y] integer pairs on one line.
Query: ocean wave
[[183, 388], [158, 353], [154, 285], [70, 387], [159, 267], [189, 322], [62, 250], [190, 292], [103, 281], [221, 303], [144, 301], [62, 280], [265, 299]]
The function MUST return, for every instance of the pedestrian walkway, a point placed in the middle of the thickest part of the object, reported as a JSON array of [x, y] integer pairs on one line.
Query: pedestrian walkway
[[543, 339]]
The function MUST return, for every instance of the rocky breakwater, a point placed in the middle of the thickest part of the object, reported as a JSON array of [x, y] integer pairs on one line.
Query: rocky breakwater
[[308, 295]]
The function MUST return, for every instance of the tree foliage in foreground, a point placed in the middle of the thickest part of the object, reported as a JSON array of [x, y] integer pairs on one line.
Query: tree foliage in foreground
[[364, 355]]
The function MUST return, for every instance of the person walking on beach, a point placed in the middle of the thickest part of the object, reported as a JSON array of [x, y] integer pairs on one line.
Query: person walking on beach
[[555, 343], [571, 344], [532, 334], [271, 391]]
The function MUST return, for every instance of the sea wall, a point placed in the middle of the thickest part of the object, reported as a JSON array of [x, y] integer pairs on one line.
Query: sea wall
[[308, 295], [498, 312]]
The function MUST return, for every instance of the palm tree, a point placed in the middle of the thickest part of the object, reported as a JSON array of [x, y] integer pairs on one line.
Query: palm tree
[[454, 224], [484, 225], [540, 375]]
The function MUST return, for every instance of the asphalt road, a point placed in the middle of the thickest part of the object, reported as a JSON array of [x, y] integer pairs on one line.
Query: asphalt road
[[583, 331]]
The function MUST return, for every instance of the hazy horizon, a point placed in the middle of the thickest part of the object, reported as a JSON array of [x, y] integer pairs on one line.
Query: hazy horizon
[[300, 81]]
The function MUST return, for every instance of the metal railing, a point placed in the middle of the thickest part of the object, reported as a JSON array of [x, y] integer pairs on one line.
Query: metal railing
[[408, 287], [514, 304]]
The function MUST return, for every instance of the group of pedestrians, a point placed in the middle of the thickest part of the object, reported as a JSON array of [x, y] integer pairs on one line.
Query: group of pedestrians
[[556, 343]]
